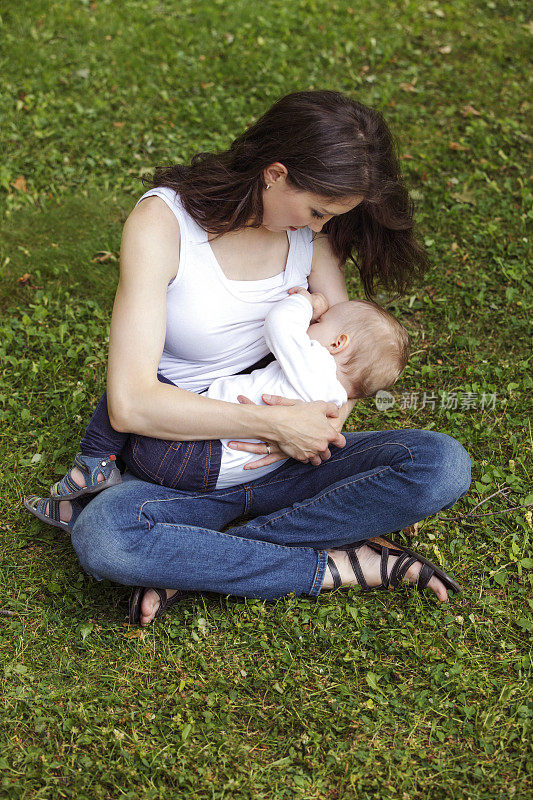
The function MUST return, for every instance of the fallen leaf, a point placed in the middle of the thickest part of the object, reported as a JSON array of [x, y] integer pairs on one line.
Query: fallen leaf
[[470, 111], [454, 246], [406, 157], [20, 184], [134, 634], [457, 146], [445, 49], [408, 87], [25, 279], [464, 197], [118, 124], [104, 256], [412, 530]]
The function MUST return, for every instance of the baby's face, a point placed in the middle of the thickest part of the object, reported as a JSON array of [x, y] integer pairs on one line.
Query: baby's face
[[329, 327]]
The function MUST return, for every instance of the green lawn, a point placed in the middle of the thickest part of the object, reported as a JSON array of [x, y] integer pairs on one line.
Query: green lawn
[[351, 696]]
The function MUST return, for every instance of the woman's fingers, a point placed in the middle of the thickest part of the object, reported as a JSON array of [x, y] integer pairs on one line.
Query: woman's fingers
[[263, 462], [245, 400], [259, 447], [276, 400], [254, 447], [339, 440]]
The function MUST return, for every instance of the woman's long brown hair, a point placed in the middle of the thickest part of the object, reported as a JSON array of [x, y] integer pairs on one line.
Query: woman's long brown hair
[[331, 146]]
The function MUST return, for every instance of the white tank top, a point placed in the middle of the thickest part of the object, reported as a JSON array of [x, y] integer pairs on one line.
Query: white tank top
[[215, 325]]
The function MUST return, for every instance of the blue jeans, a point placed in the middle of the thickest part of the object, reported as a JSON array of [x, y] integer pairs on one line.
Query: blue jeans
[[142, 534]]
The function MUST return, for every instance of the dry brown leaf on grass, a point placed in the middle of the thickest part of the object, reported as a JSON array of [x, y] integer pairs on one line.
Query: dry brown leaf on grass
[[26, 280], [104, 256], [411, 531], [470, 111], [457, 146], [20, 184]]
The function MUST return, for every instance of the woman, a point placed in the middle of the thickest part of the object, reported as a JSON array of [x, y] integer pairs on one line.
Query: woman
[[203, 257]]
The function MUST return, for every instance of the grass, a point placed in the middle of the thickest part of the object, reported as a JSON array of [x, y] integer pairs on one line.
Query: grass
[[351, 696]]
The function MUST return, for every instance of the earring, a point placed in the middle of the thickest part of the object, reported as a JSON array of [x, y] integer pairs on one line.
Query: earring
[[267, 186]]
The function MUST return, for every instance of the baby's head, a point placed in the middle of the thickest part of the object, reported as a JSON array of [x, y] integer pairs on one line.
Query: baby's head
[[370, 346]]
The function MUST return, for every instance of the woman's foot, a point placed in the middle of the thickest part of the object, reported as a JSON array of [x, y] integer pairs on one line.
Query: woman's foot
[[151, 603], [370, 564]]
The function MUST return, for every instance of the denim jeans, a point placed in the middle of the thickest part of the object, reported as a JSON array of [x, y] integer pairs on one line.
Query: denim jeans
[[143, 534]]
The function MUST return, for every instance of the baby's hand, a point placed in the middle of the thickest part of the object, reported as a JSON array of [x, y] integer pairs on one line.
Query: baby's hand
[[317, 300]]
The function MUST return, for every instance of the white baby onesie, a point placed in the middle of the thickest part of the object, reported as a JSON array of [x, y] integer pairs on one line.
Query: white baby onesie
[[303, 370]]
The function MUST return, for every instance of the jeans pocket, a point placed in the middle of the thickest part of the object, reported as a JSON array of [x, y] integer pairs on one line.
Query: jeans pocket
[[190, 466]]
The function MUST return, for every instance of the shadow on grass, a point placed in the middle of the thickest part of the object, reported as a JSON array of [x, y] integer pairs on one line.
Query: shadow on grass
[[72, 244]]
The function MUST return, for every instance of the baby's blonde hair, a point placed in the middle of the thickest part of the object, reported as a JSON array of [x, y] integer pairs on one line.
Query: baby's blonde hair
[[378, 350]]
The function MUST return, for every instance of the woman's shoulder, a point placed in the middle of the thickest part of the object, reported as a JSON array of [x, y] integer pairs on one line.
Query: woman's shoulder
[[151, 217], [151, 240]]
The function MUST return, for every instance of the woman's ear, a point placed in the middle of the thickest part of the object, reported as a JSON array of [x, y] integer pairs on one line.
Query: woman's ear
[[340, 344], [274, 173]]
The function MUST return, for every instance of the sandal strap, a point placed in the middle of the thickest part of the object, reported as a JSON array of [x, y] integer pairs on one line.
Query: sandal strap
[[400, 568], [335, 574], [425, 576], [166, 602], [354, 561], [53, 508], [383, 564]]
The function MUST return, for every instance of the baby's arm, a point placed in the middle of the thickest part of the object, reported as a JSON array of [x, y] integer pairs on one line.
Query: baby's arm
[[306, 364], [317, 300]]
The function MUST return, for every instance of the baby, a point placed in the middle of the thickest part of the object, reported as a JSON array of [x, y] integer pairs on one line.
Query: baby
[[350, 350]]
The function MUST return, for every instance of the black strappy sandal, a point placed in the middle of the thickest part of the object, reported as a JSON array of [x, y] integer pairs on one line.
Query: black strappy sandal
[[406, 558], [165, 603]]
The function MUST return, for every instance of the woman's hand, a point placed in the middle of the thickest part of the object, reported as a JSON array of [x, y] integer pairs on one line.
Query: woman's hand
[[310, 430]]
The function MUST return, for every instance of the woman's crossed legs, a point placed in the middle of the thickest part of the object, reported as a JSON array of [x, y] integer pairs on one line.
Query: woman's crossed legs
[[143, 534]]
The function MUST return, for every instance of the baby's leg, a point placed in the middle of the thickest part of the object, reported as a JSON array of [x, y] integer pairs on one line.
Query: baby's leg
[[100, 438], [95, 466], [188, 466]]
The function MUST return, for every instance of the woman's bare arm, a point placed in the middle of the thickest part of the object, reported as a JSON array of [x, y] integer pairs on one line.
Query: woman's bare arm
[[327, 277], [326, 274], [138, 402]]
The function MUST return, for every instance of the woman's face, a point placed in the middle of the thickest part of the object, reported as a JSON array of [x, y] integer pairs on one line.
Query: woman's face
[[287, 208]]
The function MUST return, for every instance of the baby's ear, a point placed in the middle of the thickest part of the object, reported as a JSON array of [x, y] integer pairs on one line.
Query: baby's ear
[[341, 343]]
